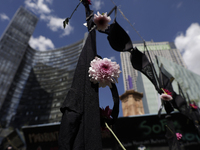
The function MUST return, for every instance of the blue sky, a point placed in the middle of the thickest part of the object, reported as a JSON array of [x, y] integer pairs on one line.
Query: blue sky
[[167, 20]]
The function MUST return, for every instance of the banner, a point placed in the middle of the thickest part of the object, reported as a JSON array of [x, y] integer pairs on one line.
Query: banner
[[147, 132], [41, 137], [142, 132]]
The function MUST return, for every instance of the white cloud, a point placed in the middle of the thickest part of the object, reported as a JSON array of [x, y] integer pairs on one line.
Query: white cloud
[[189, 46], [38, 6], [113, 58], [4, 17], [179, 5], [96, 4], [55, 24], [41, 43], [49, 1]]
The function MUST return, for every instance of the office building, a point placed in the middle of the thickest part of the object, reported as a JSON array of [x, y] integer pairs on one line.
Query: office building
[[13, 45], [135, 80], [188, 81], [33, 84]]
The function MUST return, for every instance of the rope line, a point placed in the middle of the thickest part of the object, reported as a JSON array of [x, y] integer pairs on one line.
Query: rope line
[[145, 47], [128, 21]]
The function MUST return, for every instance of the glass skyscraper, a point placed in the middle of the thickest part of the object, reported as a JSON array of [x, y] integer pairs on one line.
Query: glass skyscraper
[[188, 81], [141, 83], [13, 45], [33, 84]]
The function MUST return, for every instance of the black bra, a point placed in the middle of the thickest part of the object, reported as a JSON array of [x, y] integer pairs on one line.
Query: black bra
[[118, 38]]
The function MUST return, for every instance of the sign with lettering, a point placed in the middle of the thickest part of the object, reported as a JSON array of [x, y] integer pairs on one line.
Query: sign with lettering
[[149, 132], [41, 137], [145, 132]]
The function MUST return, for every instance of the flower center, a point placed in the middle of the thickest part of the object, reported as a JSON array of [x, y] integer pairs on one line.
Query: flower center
[[105, 67], [101, 21]]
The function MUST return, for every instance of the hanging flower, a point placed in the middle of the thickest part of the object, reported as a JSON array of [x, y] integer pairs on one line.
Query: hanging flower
[[168, 92], [194, 106], [179, 136], [89, 2], [101, 21], [104, 71], [166, 96], [106, 113]]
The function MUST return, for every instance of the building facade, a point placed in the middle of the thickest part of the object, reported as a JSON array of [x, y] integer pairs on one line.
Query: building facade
[[188, 81], [13, 45], [33, 83], [135, 80], [132, 103]]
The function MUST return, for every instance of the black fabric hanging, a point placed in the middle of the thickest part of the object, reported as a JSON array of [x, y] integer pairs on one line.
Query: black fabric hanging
[[141, 63], [171, 135], [115, 109], [186, 110], [118, 39], [179, 101], [195, 111], [80, 125], [165, 81]]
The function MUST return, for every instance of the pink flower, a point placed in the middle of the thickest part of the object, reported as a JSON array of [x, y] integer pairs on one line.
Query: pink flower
[[88, 2], [101, 21], [168, 92], [103, 71], [194, 106], [105, 113], [179, 136], [165, 97]]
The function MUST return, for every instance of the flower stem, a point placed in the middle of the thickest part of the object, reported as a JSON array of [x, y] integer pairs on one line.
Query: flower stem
[[169, 129], [163, 91], [75, 9], [66, 21], [115, 136]]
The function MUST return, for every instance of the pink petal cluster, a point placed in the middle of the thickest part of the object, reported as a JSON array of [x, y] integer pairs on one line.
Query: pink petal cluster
[[106, 113], [101, 21], [165, 97], [194, 106], [104, 72], [88, 2], [168, 92], [179, 136]]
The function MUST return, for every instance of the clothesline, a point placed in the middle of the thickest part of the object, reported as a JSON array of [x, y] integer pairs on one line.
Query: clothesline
[[128, 21]]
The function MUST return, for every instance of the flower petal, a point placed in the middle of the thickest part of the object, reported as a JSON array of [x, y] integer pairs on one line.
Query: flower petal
[[166, 97], [104, 71], [101, 21]]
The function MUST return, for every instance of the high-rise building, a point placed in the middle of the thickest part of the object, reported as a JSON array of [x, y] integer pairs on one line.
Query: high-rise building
[[33, 84], [135, 80], [188, 80], [13, 45]]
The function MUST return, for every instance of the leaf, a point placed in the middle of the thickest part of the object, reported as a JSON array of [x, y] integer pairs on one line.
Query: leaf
[[65, 22]]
